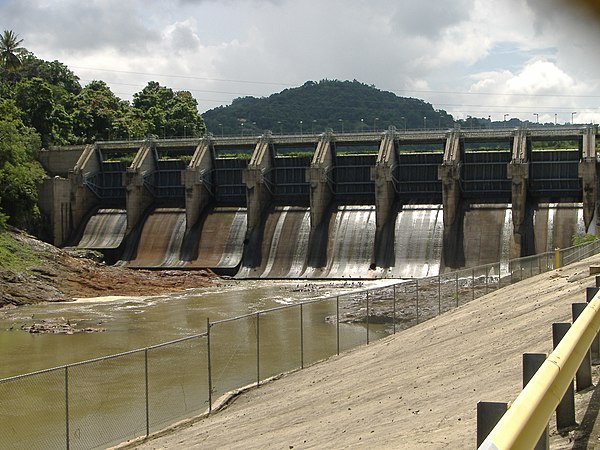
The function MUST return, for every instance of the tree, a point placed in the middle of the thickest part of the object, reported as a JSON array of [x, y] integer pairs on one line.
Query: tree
[[578, 239], [54, 73], [168, 113], [10, 50], [96, 112], [46, 107], [20, 173], [35, 99]]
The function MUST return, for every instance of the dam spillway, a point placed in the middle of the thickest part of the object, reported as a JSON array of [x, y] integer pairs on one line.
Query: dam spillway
[[356, 205], [220, 239], [487, 232], [548, 221], [348, 244], [284, 247], [160, 241], [104, 229], [417, 244]]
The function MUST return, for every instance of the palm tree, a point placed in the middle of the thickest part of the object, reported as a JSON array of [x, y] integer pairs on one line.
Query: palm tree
[[10, 50]]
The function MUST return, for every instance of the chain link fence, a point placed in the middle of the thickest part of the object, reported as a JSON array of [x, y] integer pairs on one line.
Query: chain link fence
[[102, 402]]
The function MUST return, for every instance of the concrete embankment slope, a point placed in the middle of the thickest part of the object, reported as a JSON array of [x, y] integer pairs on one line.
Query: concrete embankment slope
[[415, 390]]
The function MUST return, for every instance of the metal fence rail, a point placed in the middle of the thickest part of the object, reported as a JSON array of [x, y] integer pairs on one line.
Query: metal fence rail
[[524, 422], [108, 400]]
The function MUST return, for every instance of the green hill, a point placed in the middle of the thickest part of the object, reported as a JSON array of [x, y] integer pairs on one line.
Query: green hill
[[317, 106]]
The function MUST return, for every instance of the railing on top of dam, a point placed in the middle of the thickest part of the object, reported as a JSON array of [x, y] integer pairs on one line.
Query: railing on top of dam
[[250, 137], [108, 400]]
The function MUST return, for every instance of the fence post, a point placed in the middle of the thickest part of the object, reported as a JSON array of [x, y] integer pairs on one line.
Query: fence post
[[258, 349], [417, 289], [394, 309], [488, 415], [456, 276], [499, 276], [473, 284], [510, 269], [337, 324], [557, 258], [208, 363], [531, 267], [147, 392], [67, 406], [531, 363], [367, 292], [583, 377], [590, 292], [439, 294], [565, 411], [301, 336]]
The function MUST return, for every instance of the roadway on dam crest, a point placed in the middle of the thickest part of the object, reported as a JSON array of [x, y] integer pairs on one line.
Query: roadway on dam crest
[[415, 390]]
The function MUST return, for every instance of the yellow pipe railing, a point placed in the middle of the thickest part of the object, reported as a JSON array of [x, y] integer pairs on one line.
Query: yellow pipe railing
[[525, 420]]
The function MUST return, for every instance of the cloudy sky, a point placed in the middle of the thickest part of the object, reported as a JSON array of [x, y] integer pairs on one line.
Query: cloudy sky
[[470, 57]]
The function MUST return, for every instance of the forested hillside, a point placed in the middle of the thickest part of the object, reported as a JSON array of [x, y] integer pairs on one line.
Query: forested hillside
[[42, 103], [315, 106]]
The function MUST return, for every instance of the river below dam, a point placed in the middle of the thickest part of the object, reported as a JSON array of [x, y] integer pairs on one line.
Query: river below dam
[[101, 402], [119, 324]]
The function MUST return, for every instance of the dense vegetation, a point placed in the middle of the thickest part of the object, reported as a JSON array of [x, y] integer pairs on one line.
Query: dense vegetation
[[316, 106], [52, 101], [42, 103]]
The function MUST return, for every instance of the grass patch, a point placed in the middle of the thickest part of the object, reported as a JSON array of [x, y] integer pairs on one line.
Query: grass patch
[[227, 155], [579, 239], [14, 255]]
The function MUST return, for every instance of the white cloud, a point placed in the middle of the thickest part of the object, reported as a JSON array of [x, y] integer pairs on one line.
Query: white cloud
[[540, 87], [452, 54], [542, 77]]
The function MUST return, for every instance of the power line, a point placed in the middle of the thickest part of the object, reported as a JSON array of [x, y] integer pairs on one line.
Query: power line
[[529, 107], [501, 94], [190, 77], [483, 108], [206, 91], [272, 83]]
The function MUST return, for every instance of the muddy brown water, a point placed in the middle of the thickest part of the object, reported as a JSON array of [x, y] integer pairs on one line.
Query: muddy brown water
[[106, 398], [136, 322]]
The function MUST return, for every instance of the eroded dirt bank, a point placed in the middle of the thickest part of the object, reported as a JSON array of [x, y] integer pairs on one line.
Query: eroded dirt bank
[[57, 275]]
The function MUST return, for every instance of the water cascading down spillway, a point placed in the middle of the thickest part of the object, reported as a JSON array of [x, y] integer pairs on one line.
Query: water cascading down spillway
[[418, 234], [161, 239], [219, 242], [104, 230], [555, 224], [284, 246], [351, 239]]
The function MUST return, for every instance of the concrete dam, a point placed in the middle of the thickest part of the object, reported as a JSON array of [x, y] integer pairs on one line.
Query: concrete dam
[[354, 205]]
